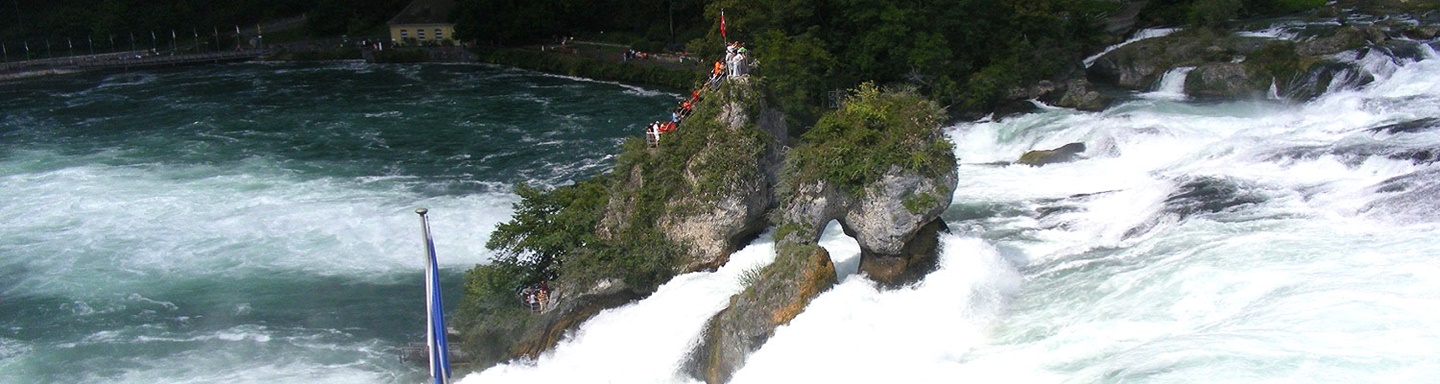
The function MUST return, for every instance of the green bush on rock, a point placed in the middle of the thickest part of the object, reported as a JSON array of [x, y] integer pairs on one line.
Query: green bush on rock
[[871, 132]]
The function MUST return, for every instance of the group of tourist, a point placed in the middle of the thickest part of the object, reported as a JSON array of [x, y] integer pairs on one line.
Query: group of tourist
[[657, 128], [536, 298], [735, 55]]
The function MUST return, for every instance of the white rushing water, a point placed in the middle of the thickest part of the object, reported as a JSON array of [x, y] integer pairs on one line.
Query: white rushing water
[[254, 223], [1172, 84], [1143, 34], [1249, 241]]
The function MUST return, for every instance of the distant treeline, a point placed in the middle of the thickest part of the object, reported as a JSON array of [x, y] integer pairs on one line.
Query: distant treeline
[[58, 20], [965, 53], [968, 54], [962, 51], [648, 25]]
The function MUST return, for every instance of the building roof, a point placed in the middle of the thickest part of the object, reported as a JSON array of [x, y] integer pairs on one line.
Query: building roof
[[425, 12]]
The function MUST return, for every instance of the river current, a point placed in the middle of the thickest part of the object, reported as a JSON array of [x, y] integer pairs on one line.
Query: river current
[[254, 223]]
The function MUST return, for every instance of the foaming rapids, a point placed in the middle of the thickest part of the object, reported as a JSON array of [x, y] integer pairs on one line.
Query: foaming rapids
[[134, 222], [255, 223], [216, 275], [1244, 241], [1237, 242], [644, 342]]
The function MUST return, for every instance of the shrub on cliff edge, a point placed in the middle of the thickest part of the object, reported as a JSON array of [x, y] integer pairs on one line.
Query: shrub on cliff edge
[[871, 132]]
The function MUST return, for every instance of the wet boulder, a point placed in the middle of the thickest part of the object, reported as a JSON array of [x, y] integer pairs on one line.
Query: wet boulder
[[779, 293], [1140, 65], [1078, 94], [1066, 153], [1224, 81]]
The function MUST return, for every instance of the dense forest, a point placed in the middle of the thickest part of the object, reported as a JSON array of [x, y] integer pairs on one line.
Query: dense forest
[[38, 22], [967, 54]]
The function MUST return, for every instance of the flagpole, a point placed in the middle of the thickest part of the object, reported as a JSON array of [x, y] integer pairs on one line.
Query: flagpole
[[723, 36], [435, 312]]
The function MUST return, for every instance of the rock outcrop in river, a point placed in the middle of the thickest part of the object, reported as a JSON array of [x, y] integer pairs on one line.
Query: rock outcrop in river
[[879, 166], [891, 208]]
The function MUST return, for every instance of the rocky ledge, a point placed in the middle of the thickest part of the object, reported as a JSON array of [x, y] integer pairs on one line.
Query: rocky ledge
[[1315, 53], [879, 166], [892, 212]]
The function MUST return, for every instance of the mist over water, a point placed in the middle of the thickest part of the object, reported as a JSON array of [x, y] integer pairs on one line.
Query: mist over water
[[255, 223]]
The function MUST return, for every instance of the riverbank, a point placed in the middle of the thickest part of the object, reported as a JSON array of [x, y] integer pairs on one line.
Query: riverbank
[[668, 72], [655, 73]]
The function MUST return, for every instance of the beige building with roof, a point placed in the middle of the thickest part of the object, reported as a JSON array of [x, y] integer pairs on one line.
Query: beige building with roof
[[423, 22]]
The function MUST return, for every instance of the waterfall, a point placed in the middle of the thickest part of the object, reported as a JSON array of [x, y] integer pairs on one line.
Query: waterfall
[[1172, 84]]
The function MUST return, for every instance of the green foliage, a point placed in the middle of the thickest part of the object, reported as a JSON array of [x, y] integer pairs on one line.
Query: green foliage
[[1213, 13], [1276, 60], [553, 234], [750, 277], [507, 22], [795, 69], [1266, 8], [873, 131], [916, 203], [967, 52], [547, 226], [78, 19]]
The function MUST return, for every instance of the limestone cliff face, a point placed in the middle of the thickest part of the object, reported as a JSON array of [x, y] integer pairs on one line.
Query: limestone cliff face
[[683, 206], [894, 218], [715, 183], [727, 176], [714, 232], [886, 218], [883, 220], [897, 245]]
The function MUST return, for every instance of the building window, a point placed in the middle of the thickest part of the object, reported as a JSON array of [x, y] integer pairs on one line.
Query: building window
[[420, 33], [439, 34], [404, 34]]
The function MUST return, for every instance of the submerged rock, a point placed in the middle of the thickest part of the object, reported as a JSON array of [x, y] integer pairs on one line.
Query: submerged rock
[[1411, 126]]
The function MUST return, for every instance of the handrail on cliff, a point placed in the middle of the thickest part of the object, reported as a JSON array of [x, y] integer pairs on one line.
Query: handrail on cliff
[[735, 64]]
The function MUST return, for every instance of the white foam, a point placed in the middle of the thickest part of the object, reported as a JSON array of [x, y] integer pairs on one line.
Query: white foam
[[629, 89], [920, 333], [643, 342], [132, 222], [1300, 287], [1172, 84]]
